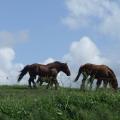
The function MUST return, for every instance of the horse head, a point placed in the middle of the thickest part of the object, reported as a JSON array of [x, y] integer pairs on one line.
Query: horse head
[[66, 69]]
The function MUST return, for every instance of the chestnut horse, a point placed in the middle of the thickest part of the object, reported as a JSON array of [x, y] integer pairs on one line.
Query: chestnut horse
[[54, 65], [44, 71], [99, 72]]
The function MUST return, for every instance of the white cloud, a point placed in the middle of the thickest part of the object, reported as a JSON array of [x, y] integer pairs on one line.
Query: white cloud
[[102, 15], [81, 52], [84, 51], [49, 60], [8, 39], [9, 71], [6, 57]]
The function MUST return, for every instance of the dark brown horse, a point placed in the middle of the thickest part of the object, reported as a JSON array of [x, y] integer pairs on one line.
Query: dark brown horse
[[44, 71], [54, 65], [99, 72]]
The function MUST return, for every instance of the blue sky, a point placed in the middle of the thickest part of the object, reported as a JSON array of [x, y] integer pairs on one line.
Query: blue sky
[[48, 37], [72, 30]]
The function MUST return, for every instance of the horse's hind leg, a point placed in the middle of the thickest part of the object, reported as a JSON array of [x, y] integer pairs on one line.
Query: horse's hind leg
[[40, 81], [85, 76], [48, 85], [105, 83], [56, 84], [29, 82], [34, 84], [91, 79], [99, 81], [82, 87], [32, 79]]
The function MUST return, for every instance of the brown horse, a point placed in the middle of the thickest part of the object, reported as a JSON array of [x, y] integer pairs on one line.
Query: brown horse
[[54, 65], [44, 71], [99, 72]]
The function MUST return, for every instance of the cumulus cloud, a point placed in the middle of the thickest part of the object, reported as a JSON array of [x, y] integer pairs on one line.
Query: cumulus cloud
[[6, 57], [8, 39], [81, 52], [8, 69], [84, 51], [49, 60], [102, 15]]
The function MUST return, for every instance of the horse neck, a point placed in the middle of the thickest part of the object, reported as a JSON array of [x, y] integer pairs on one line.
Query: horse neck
[[58, 67]]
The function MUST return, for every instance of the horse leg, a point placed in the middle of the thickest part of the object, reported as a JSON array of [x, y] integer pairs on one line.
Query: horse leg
[[91, 79], [56, 84], [29, 82], [34, 84], [40, 81], [48, 85], [51, 81], [32, 79], [98, 83], [105, 83], [82, 87]]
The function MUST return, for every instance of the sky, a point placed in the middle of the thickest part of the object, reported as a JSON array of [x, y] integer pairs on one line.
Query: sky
[[72, 31]]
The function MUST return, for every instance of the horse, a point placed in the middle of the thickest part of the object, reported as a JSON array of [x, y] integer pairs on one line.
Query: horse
[[98, 72], [54, 65], [43, 71]]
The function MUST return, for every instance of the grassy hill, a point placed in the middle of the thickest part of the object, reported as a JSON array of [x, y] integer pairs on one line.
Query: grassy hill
[[22, 103]]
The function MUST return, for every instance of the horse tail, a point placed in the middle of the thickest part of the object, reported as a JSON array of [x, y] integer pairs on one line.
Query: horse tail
[[23, 72], [77, 77]]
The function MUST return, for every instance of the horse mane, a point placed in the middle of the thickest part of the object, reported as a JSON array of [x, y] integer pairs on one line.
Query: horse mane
[[55, 62]]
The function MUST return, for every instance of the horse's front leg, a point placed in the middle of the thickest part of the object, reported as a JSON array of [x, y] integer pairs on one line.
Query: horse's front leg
[[49, 82], [56, 83]]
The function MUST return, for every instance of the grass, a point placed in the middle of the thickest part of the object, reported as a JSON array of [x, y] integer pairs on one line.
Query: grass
[[22, 103]]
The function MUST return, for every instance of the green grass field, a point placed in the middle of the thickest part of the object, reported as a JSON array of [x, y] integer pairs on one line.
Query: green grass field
[[22, 103]]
